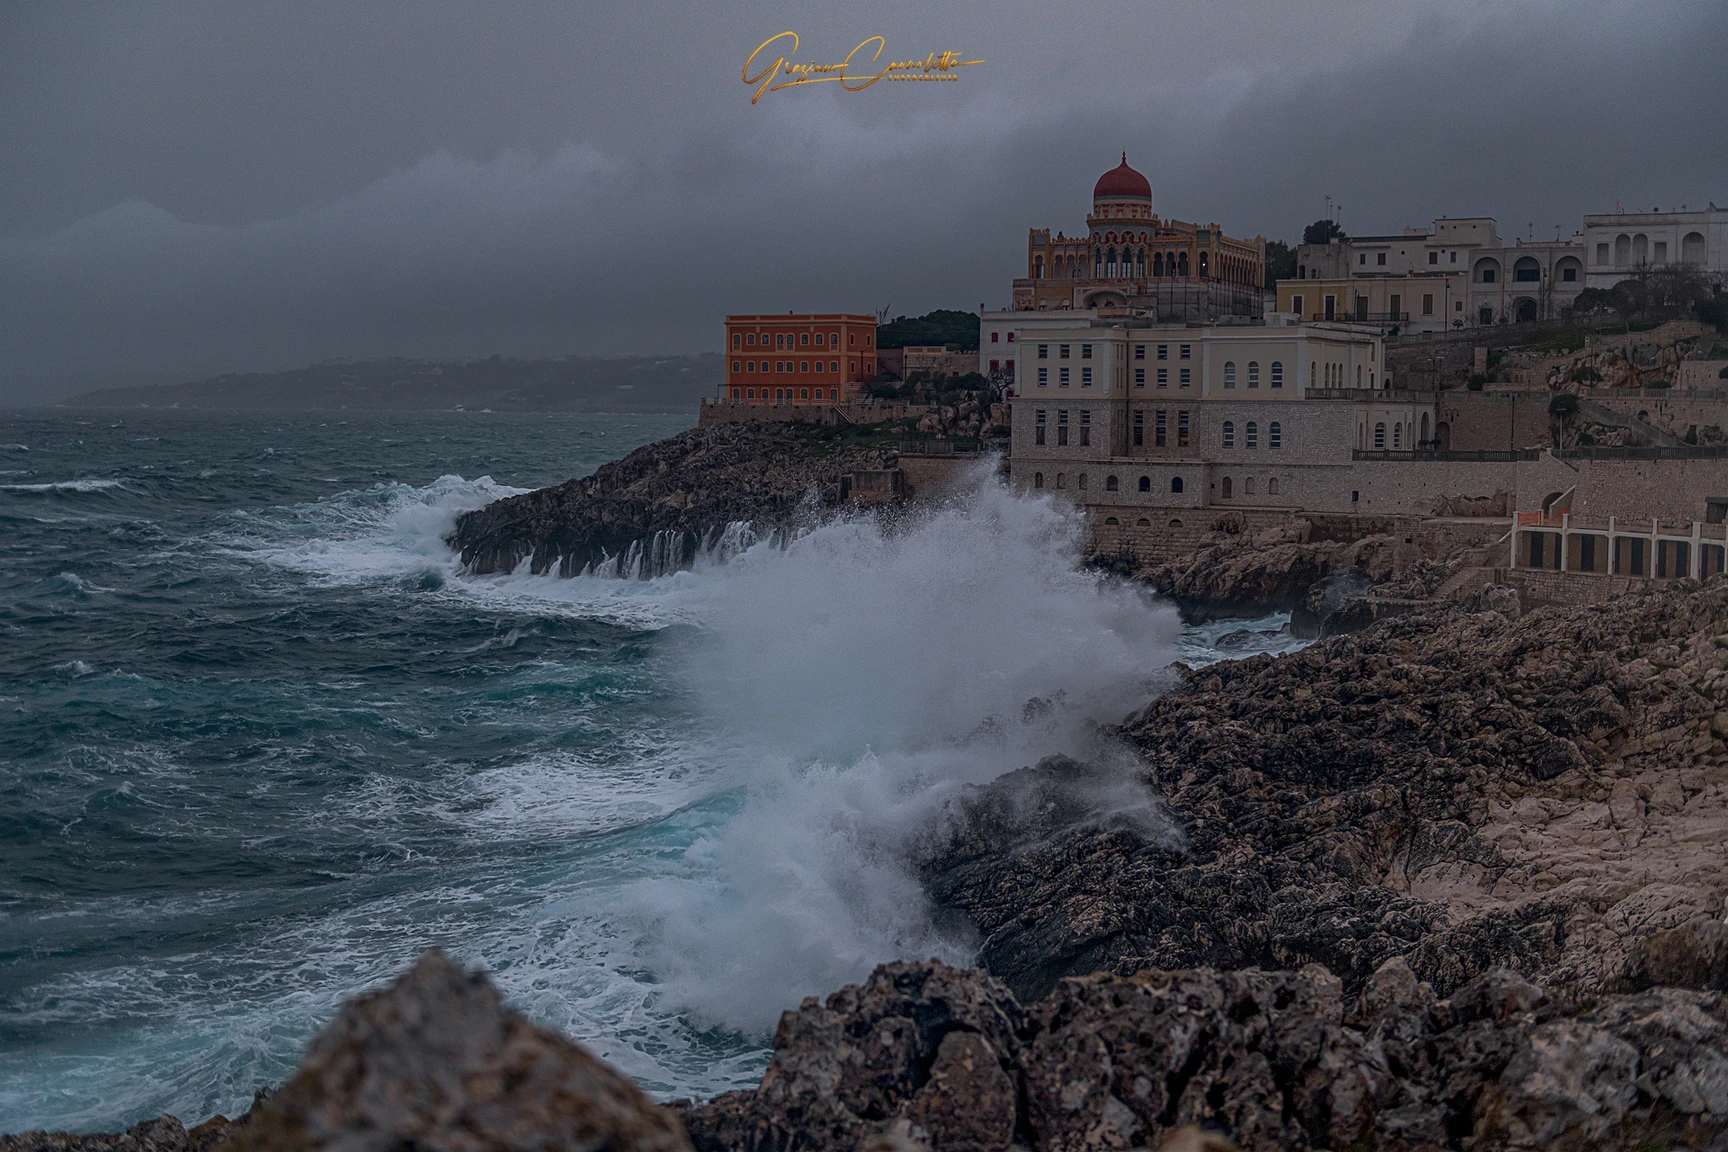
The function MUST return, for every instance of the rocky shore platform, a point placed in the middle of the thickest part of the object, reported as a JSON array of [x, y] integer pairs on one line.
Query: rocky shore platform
[[1455, 881], [668, 499]]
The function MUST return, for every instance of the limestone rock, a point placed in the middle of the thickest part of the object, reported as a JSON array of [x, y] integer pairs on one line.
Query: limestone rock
[[1457, 789], [435, 1062]]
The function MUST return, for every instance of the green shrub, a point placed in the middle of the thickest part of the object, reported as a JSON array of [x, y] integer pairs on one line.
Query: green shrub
[[1476, 381]]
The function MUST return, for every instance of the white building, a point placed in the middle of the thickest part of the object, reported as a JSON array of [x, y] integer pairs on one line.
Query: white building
[[1456, 274], [1617, 243], [1124, 418]]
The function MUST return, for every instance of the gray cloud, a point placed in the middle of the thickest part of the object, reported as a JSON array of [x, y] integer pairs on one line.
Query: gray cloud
[[196, 189]]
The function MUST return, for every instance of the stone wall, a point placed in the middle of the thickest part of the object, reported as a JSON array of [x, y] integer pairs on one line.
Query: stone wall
[[726, 412], [1673, 491], [1496, 421]]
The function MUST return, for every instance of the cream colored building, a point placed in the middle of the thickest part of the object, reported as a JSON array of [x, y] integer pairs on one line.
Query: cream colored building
[[1620, 243], [1125, 418], [1456, 274]]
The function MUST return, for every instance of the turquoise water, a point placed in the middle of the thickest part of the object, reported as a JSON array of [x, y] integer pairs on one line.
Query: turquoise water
[[264, 743]]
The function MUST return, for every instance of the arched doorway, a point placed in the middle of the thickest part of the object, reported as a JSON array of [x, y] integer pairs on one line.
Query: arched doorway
[[1526, 310], [1443, 436]]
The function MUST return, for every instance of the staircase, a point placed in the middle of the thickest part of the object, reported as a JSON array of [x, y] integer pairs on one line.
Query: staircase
[[1602, 414]]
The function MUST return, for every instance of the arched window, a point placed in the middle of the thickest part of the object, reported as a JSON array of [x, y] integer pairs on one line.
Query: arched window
[[1272, 486], [1640, 248], [1274, 435], [1173, 523], [1082, 482], [1622, 250], [1229, 434], [1398, 435], [1229, 373], [1425, 436], [1251, 435], [1110, 484], [1248, 486], [1037, 479], [1140, 263], [1253, 373], [1145, 483], [1224, 488], [1313, 373], [1110, 263], [1157, 263], [1061, 480], [1182, 264], [1175, 483], [1202, 263], [1097, 262], [1277, 373], [1111, 520], [1692, 248], [1379, 437]]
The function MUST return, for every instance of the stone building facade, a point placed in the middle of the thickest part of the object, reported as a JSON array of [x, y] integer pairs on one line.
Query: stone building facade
[[1129, 257], [1619, 244], [1456, 274], [1135, 421]]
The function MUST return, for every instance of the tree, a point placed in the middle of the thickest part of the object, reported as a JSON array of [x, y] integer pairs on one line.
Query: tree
[[1322, 231], [943, 326], [1280, 262], [1562, 404]]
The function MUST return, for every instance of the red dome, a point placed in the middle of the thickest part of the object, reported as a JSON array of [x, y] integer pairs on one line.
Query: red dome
[[1122, 183]]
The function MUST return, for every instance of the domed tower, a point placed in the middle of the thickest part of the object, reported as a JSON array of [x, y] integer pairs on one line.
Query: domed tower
[[1120, 224], [1121, 193]]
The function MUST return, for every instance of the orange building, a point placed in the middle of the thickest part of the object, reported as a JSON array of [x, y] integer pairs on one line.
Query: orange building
[[799, 358]]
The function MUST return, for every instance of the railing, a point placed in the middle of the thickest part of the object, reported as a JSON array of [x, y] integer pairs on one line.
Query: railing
[[941, 447], [1662, 452], [1481, 455], [1342, 316]]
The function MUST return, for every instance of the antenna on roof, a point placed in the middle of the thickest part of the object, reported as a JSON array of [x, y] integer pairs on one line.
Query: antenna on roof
[[882, 314]]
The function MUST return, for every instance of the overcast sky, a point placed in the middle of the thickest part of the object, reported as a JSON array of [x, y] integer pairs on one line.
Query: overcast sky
[[194, 188]]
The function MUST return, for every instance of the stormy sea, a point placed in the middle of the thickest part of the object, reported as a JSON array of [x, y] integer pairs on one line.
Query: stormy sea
[[264, 742]]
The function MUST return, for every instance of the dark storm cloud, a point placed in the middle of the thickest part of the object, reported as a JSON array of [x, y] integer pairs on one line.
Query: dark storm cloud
[[366, 181]]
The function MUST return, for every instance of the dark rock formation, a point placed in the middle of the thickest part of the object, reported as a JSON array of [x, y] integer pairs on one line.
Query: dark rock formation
[[1240, 574], [435, 1062], [1456, 789], [667, 499], [163, 1134], [1274, 1060]]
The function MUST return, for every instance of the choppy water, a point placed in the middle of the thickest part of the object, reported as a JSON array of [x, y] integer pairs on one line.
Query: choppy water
[[264, 743]]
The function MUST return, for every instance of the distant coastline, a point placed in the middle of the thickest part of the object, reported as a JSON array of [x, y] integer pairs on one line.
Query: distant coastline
[[571, 384]]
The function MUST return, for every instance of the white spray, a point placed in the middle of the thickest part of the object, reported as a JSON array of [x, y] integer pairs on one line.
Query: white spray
[[856, 679]]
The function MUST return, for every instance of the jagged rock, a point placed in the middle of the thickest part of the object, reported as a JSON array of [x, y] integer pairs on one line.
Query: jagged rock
[[435, 1062], [1457, 789], [1272, 571], [1269, 1060], [163, 1134], [669, 498]]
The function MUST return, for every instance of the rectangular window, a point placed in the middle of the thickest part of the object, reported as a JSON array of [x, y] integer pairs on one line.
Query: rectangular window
[[1380, 259], [737, 367], [1043, 351], [1159, 424], [737, 340], [1427, 303], [1062, 352], [818, 339], [1452, 260], [1043, 377], [1139, 377], [1010, 337], [1064, 380], [1139, 429], [1085, 351], [1433, 257], [1569, 273], [1086, 377], [1062, 428], [1163, 377], [1187, 377], [1277, 373], [1184, 354], [803, 365], [1163, 351], [1085, 428], [833, 365], [1296, 305], [994, 336], [1038, 429], [1182, 428], [1139, 351], [1275, 435], [804, 338]]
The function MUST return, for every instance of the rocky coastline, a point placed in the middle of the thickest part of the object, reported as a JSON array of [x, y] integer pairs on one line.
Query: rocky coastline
[[653, 510], [1453, 881]]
